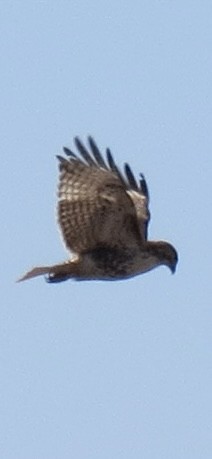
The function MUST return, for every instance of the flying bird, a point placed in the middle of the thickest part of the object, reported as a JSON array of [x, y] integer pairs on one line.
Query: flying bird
[[103, 215]]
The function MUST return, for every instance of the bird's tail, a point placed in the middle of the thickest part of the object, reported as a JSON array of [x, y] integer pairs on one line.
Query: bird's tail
[[56, 273]]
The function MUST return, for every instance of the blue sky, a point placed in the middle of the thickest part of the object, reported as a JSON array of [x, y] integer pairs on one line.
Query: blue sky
[[103, 370]]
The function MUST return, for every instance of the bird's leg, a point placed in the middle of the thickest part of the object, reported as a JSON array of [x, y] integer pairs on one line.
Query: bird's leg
[[60, 273]]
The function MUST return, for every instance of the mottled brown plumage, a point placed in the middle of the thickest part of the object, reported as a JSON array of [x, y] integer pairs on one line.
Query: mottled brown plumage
[[103, 216]]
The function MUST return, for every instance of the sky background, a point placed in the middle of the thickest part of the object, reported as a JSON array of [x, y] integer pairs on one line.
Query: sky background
[[100, 370]]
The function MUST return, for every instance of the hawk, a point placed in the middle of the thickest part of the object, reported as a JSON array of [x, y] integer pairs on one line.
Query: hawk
[[103, 216]]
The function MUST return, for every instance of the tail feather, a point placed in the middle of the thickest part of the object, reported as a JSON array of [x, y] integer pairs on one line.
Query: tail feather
[[38, 271], [57, 273]]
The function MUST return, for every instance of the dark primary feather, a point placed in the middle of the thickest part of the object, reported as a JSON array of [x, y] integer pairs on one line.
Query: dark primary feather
[[68, 152], [113, 167], [131, 179], [96, 153], [144, 187], [85, 154]]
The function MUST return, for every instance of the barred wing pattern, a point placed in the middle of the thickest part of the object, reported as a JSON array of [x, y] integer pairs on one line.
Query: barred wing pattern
[[97, 205], [103, 216]]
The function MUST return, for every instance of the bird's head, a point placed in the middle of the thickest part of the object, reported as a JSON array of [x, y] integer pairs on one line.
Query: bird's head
[[167, 255]]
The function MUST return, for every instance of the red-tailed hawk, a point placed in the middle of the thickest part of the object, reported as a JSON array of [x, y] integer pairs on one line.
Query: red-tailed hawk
[[103, 216]]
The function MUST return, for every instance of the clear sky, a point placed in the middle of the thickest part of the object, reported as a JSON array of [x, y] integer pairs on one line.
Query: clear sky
[[106, 370]]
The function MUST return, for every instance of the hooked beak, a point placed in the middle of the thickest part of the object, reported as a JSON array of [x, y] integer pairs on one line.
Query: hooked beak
[[172, 267]]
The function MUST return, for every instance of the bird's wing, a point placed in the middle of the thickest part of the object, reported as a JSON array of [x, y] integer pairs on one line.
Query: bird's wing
[[97, 206], [139, 194]]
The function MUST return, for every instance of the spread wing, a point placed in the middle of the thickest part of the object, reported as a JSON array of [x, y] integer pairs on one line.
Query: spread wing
[[97, 206]]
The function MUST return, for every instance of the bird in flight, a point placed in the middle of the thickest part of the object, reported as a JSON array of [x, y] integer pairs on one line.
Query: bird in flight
[[103, 215]]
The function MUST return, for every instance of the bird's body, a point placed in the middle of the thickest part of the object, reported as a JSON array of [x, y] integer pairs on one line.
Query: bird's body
[[104, 217]]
